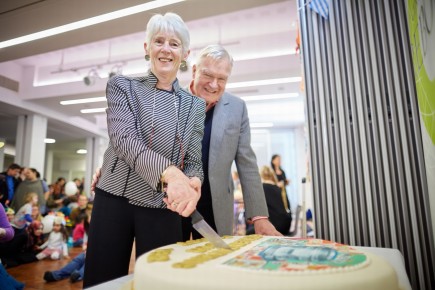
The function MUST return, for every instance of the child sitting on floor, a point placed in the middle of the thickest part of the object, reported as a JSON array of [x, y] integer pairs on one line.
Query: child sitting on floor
[[55, 246]]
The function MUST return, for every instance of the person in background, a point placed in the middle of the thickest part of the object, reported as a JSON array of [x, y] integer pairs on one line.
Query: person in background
[[278, 214], [6, 230], [35, 238], [153, 162], [275, 164], [57, 195], [65, 209], [6, 234], [8, 183], [30, 184], [36, 214], [23, 217], [76, 268], [80, 209], [79, 184], [10, 213], [55, 247], [79, 230]]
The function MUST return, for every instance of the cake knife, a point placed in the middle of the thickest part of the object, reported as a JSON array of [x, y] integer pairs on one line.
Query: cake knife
[[207, 231]]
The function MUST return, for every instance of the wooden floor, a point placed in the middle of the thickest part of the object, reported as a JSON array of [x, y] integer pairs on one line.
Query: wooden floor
[[32, 274]]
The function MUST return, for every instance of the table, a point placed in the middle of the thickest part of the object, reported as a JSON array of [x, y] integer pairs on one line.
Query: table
[[392, 256]]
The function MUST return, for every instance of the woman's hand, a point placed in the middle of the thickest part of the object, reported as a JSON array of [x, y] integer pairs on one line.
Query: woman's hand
[[181, 196], [95, 178]]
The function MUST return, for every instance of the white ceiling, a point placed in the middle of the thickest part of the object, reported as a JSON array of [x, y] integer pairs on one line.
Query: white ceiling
[[51, 70]]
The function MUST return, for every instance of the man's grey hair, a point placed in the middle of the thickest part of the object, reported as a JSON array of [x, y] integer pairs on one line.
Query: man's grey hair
[[215, 51]]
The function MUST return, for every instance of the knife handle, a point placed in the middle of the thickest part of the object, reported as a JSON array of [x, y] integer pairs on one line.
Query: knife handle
[[196, 217]]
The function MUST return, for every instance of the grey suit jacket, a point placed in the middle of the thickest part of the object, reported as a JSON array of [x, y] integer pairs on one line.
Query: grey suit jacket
[[231, 141]]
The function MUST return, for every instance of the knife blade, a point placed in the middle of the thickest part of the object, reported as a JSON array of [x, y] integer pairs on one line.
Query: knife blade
[[207, 231]]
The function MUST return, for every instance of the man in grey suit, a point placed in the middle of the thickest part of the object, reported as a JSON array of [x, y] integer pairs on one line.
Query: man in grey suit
[[226, 139]]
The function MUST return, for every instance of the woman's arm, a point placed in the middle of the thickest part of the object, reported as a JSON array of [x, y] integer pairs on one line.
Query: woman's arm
[[6, 230]]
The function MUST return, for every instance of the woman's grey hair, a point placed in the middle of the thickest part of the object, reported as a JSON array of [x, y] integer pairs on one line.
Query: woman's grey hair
[[215, 51], [170, 22]]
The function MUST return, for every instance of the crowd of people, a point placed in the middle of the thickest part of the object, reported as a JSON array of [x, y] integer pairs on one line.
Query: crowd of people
[[170, 152], [40, 221]]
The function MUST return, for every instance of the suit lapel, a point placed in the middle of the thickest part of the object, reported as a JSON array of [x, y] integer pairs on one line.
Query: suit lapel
[[220, 119]]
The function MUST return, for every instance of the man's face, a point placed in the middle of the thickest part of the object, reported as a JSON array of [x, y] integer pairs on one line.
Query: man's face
[[210, 78], [13, 172]]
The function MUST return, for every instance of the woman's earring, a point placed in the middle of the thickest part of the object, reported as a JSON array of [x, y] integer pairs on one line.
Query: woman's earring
[[147, 57], [183, 65]]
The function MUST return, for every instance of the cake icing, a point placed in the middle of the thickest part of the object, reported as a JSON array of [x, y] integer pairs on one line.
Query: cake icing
[[258, 262]]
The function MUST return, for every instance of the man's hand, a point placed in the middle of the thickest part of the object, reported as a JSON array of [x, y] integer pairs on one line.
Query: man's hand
[[195, 182], [265, 227]]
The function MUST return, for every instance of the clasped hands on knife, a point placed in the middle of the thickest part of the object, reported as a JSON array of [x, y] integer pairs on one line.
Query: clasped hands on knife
[[182, 192]]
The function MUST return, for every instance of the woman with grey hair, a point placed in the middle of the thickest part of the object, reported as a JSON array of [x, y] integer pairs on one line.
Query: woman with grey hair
[[152, 169]]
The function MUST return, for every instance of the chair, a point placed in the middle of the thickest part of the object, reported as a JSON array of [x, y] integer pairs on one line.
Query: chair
[[296, 223]]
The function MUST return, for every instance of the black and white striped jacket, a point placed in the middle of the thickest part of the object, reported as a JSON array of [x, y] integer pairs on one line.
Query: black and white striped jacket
[[136, 157]]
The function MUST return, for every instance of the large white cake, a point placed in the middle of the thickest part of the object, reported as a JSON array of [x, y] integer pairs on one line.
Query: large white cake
[[262, 263]]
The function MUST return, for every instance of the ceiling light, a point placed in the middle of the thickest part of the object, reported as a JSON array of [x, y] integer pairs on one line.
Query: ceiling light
[[82, 151], [90, 79], [249, 56], [116, 70], [262, 125], [49, 140], [2, 144], [88, 22], [96, 110], [263, 82], [270, 97], [82, 101]]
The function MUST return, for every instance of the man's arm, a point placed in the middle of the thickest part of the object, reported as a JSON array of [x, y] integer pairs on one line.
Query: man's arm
[[252, 189]]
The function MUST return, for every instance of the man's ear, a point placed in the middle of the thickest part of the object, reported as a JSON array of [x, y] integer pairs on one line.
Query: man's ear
[[193, 71]]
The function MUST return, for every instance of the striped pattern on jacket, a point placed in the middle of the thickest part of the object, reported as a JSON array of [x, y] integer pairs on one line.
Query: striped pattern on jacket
[[136, 157]]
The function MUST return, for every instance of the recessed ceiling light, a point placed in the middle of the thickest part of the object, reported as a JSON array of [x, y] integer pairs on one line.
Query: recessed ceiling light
[[82, 101], [88, 22], [262, 125], [263, 82], [96, 110], [49, 140], [270, 97], [82, 151]]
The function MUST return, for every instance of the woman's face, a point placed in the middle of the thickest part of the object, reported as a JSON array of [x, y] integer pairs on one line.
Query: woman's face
[[166, 54], [277, 161]]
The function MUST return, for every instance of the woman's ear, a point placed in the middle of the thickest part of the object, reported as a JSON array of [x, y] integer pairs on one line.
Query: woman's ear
[[186, 55]]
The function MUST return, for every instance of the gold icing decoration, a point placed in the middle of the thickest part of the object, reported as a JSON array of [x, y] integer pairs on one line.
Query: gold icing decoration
[[209, 252], [159, 255]]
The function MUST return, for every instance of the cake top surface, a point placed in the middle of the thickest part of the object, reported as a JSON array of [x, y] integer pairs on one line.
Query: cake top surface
[[262, 262], [272, 254]]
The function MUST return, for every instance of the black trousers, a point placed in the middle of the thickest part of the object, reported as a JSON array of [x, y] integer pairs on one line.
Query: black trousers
[[115, 224]]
